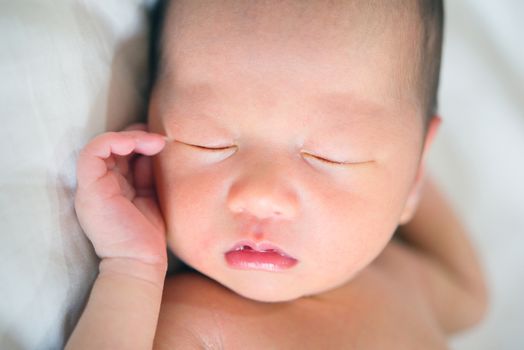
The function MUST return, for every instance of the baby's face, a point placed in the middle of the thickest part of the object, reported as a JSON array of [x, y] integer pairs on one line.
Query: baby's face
[[298, 133]]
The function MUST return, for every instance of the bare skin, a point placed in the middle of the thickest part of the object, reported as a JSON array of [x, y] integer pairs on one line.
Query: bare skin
[[411, 297], [382, 308], [303, 131]]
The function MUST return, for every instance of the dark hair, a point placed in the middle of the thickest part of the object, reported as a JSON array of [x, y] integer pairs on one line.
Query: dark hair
[[432, 19], [157, 15]]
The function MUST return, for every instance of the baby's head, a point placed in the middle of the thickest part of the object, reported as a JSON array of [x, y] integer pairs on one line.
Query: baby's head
[[299, 126]]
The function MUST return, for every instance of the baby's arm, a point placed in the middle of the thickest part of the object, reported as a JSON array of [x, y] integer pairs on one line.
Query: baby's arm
[[123, 307], [117, 209], [450, 273]]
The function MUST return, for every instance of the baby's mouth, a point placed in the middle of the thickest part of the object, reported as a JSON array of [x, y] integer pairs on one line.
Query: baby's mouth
[[247, 255]]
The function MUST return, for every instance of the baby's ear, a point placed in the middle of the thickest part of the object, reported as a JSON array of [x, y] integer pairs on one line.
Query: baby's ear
[[416, 190]]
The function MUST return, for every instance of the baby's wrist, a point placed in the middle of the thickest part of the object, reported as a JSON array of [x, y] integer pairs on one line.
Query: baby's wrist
[[131, 268]]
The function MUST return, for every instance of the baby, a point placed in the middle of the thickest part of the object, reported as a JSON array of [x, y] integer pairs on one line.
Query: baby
[[285, 144]]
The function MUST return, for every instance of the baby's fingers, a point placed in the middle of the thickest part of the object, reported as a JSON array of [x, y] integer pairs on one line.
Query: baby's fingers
[[123, 163], [91, 160]]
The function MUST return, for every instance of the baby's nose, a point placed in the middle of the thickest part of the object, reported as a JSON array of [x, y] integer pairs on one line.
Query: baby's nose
[[263, 194]]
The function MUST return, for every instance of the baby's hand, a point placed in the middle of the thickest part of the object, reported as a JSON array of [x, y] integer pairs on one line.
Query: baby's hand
[[116, 201]]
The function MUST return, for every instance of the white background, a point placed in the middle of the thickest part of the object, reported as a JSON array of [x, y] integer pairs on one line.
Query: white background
[[478, 157]]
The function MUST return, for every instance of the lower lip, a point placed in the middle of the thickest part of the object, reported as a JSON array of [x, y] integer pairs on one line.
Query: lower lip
[[254, 260]]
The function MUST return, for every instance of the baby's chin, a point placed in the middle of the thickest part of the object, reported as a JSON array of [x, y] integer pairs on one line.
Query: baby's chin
[[271, 290], [267, 296], [274, 290], [265, 289]]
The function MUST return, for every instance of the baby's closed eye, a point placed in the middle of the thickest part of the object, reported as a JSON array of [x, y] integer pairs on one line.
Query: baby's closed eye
[[231, 149], [329, 160]]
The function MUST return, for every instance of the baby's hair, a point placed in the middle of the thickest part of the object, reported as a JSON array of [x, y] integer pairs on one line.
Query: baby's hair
[[432, 22], [432, 17], [157, 17]]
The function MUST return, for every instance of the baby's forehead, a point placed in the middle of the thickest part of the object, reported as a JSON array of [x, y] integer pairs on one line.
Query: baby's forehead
[[317, 34], [311, 20], [309, 14]]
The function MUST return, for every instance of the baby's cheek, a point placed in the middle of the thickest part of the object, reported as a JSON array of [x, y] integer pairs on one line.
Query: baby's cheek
[[359, 223], [194, 215]]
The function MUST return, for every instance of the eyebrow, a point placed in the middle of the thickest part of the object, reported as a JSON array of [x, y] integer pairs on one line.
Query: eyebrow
[[348, 105], [194, 93], [343, 104], [175, 120]]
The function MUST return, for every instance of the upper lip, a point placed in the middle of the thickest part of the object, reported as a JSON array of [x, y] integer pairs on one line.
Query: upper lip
[[260, 246]]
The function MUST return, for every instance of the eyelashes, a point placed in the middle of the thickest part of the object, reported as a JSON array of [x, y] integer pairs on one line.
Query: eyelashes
[[326, 160], [316, 157], [212, 149], [319, 158]]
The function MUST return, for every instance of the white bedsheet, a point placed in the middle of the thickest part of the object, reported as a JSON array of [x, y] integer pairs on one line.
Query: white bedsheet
[[479, 154], [70, 69]]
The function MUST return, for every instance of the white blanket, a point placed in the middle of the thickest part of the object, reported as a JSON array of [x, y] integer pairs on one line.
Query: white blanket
[[479, 154], [68, 70]]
